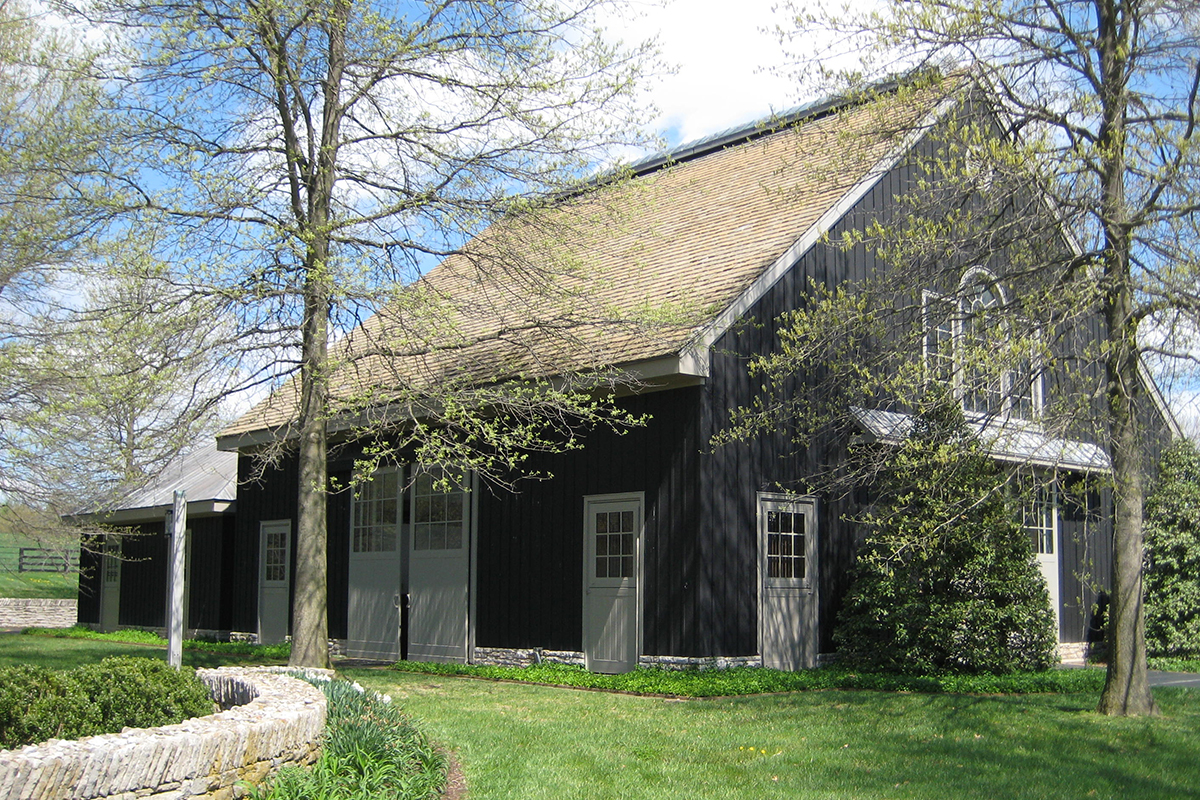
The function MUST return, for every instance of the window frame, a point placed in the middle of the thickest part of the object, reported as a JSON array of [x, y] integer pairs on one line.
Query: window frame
[[938, 336], [359, 502], [417, 492]]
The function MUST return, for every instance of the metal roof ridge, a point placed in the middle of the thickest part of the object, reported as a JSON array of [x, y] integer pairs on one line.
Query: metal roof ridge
[[756, 129]]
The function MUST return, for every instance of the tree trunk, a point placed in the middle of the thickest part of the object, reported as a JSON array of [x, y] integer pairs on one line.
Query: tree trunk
[[310, 632], [1126, 689], [310, 617]]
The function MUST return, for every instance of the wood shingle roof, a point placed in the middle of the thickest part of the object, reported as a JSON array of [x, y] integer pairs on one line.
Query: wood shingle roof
[[638, 270]]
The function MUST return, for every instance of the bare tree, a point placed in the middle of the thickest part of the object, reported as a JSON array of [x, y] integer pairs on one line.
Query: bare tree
[[90, 365]]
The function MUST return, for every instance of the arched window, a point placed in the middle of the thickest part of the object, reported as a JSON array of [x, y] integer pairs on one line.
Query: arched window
[[969, 344], [982, 385]]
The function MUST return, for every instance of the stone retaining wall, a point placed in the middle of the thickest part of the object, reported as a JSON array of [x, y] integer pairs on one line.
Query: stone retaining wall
[[270, 720], [21, 612]]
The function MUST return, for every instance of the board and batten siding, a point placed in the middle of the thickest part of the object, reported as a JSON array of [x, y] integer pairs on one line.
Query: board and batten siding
[[274, 496], [733, 476], [531, 540], [145, 552]]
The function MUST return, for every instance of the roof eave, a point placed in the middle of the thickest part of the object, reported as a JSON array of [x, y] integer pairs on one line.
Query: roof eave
[[133, 516], [672, 371], [788, 259]]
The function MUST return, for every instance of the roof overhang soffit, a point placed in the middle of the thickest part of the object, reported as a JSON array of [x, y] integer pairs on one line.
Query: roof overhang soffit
[[654, 375]]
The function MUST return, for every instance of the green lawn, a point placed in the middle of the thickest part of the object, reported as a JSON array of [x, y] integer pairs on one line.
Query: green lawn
[[521, 741], [13, 583], [56, 653]]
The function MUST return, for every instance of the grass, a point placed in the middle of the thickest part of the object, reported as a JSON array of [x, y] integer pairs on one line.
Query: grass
[[60, 649], [526, 741], [754, 680], [51, 585]]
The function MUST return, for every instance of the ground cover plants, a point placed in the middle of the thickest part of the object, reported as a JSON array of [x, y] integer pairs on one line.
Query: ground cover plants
[[371, 751], [38, 703], [756, 680], [1172, 664], [516, 740]]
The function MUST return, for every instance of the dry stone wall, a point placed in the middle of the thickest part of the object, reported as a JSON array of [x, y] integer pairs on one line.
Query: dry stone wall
[[269, 720], [21, 612]]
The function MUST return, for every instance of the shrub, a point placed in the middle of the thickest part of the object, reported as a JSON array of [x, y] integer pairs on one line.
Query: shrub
[[143, 692], [371, 750], [1173, 554], [946, 580], [37, 703]]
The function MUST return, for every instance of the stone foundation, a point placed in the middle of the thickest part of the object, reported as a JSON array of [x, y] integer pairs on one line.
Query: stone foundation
[[1073, 652], [21, 612], [518, 657], [269, 720], [705, 662]]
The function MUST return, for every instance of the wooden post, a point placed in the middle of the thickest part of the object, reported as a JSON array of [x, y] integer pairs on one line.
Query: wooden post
[[175, 585]]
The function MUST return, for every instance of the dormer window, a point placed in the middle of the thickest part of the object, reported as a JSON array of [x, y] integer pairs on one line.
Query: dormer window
[[969, 344]]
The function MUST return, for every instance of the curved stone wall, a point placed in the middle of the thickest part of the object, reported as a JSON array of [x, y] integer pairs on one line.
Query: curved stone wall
[[269, 720]]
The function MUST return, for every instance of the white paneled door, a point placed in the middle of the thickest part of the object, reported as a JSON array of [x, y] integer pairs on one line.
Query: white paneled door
[[376, 548], [612, 528], [274, 573], [110, 589], [787, 568], [439, 568]]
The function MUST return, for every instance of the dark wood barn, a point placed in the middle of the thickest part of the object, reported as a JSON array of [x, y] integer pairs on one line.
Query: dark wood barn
[[654, 546]]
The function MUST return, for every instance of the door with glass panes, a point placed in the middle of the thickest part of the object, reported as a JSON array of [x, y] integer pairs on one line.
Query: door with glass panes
[[1040, 518], [439, 567], [612, 571], [376, 547], [787, 546], [274, 572]]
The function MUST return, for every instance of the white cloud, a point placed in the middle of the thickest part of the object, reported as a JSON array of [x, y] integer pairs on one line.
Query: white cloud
[[726, 65]]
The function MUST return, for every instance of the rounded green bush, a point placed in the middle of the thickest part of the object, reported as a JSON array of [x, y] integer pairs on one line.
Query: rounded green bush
[[37, 703], [134, 692], [946, 580]]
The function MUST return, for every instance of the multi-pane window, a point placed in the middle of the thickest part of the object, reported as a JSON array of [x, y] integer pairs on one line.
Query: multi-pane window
[[275, 553], [614, 544], [439, 511], [940, 318], [112, 560], [967, 346], [983, 391], [786, 544], [376, 519], [1038, 517]]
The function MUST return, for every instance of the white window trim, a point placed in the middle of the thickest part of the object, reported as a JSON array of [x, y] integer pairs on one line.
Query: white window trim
[[958, 334], [356, 500]]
